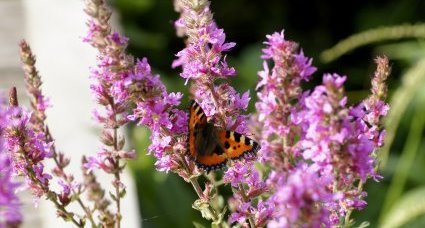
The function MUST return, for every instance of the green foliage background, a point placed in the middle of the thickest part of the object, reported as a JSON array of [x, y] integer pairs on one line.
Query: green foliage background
[[397, 200]]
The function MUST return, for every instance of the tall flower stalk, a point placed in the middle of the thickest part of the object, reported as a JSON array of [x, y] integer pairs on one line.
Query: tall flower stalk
[[320, 150], [39, 104], [28, 148], [203, 62], [108, 87]]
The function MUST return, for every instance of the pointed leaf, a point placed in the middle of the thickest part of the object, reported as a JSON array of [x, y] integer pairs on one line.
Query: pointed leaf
[[410, 206], [198, 225]]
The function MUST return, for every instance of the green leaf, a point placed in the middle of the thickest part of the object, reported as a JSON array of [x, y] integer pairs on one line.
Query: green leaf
[[402, 97], [364, 224], [203, 207], [112, 195], [409, 52], [409, 207], [372, 36], [407, 158], [123, 193], [198, 225]]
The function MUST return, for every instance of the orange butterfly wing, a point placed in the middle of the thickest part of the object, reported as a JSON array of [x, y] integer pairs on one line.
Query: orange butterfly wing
[[221, 144], [197, 125], [237, 146], [211, 162], [197, 120]]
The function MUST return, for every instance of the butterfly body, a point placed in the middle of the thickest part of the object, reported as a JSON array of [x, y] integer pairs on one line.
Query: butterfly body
[[210, 146], [207, 140]]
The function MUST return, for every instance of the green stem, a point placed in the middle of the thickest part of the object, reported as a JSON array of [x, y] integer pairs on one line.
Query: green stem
[[117, 181], [400, 100], [347, 222], [246, 199], [199, 192], [86, 209], [80, 202], [52, 196]]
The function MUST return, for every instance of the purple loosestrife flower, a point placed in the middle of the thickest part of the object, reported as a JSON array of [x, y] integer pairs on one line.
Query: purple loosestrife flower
[[374, 106], [203, 62], [325, 123], [39, 131], [335, 142], [113, 69], [338, 143], [10, 215], [278, 89], [109, 76], [247, 185], [300, 199], [10, 205], [157, 109], [27, 149], [119, 80], [39, 103], [315, 128]]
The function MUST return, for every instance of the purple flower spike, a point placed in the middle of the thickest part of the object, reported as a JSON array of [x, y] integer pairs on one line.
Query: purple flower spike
[[203, 62], [300, 199], [247, 185], [157, 109], [277, 89], [27, 149], [10, 205], [316, 128]]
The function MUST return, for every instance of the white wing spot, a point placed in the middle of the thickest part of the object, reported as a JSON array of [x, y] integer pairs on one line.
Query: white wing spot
[[242, 139]]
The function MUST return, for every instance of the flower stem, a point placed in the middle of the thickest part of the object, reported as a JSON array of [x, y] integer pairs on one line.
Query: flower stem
[[199, 192], [117, 180], [118, 199], [246, 199], [33, 83], [61, 168], [52, 196], [198, 189], [347, 222], [85, 208]]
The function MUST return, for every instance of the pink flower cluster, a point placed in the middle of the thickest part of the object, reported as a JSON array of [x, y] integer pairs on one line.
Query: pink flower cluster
[[157, 109], [320, 150], [203, 63], [27, 149], [10, 204]]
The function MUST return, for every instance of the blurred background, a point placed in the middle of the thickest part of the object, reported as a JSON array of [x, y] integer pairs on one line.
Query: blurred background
[[399, 198], [390, 27]]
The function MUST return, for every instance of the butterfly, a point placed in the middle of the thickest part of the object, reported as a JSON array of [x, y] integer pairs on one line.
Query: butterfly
[[210, 146]]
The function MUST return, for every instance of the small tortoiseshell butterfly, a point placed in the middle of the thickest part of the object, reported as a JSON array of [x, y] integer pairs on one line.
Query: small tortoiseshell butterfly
[[210, 147]]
